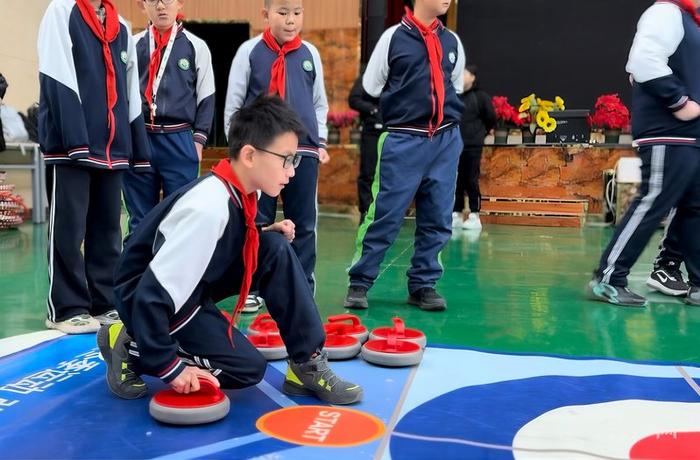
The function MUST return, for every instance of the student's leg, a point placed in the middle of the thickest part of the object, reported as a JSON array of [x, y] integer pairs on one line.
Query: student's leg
[[473, 172], [664, 178], [142, 189], [103, 237], [283, 284], [434, 208], [204, 343], [182, 165], [398, 176], [669, 247], [368, 166], [461, 188], [69, 196], [689, 223], [300, 203]]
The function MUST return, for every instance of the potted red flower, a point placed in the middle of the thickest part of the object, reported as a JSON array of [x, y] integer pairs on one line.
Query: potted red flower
[[506, 117], [338, 120], [611, 115]]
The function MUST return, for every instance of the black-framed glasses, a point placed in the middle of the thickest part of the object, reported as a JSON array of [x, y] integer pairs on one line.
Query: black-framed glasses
[[291, 160], [155, 2]]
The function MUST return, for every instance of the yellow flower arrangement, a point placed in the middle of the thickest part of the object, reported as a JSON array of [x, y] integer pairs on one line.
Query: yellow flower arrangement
[[535, 111]]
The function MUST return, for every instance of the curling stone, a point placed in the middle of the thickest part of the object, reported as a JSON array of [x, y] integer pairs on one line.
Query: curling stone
[[263, 324], [392, 352], [340, 346], [270, 346], [350, 325], [207, 405], [401, 332]]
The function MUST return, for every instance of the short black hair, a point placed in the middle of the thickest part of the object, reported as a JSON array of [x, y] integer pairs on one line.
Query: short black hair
[[260, 122], [409, 3]]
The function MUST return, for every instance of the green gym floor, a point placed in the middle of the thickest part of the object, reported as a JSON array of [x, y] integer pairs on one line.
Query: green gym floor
[[509, 289]]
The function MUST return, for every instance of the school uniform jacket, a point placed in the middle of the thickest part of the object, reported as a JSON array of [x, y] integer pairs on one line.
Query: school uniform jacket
[[398, 73], [180, 253], [185, 97], [664, 62], [305, 91], [73, 114]]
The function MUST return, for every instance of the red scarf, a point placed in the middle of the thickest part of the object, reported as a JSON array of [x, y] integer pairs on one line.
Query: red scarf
[[686, 5], [161, 41], [278, 72], [224, 172], [105, 34], [437, 82]]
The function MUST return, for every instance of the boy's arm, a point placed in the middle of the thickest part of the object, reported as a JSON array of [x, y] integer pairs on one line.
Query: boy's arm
[[141, 149], [320, 98], [188, 237], [377, 72], [205, 91], [659, 32], [458, 72], [237, 82], [60, 96]]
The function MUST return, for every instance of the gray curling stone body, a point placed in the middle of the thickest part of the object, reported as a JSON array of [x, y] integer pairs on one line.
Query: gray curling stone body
[[190, 415]]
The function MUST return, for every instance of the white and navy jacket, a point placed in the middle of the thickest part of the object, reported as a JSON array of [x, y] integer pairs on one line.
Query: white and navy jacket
[[665, 66], [73, 115], [398, 73], [185, 93], [180, 253], [305, 91]]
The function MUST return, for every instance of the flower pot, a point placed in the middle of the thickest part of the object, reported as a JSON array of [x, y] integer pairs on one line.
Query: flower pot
[[612, 136], [355, 136], [500, 136], [333, 136], [528, 136]]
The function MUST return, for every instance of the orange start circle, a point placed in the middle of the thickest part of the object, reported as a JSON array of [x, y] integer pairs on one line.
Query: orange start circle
[[321, 426]]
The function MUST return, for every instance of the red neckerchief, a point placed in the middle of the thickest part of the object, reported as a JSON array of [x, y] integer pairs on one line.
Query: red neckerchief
[[225, 173], [437, 81], [686, 5], [105, 34], [160, 41], [278, 71]]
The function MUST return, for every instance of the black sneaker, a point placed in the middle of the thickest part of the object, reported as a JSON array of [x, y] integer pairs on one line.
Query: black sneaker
[[668, 280], [121, 379], [616, 295], [427, 299], [356, 298], [315, 378], [692, 297]]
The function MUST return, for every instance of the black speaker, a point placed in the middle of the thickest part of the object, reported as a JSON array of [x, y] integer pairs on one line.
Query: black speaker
[[572, 127]]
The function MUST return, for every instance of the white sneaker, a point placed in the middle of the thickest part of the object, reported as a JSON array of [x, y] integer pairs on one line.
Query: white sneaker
[[253, 303], [107, 318], [79, 324], [456, 219], [473, 222]]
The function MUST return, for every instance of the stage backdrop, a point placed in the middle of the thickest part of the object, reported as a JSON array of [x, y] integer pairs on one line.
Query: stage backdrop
[[573, 48]]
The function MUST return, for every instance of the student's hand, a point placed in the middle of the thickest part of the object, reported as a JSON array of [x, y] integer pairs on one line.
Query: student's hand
[[188, 380], [323, 156], [199, 147], [691, 111], [285, 227]]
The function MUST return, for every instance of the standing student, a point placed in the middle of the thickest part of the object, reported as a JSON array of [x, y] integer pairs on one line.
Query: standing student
[[91, 131]]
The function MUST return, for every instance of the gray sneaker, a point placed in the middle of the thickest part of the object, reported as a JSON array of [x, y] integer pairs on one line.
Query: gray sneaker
[[356, 298], [108, 317], [121, 379], [315, 378], [615, 295]]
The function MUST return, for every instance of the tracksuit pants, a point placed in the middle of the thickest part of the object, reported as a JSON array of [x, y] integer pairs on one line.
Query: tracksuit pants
[[670, 179], [410, 167], [174, 164], [85, 207]]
